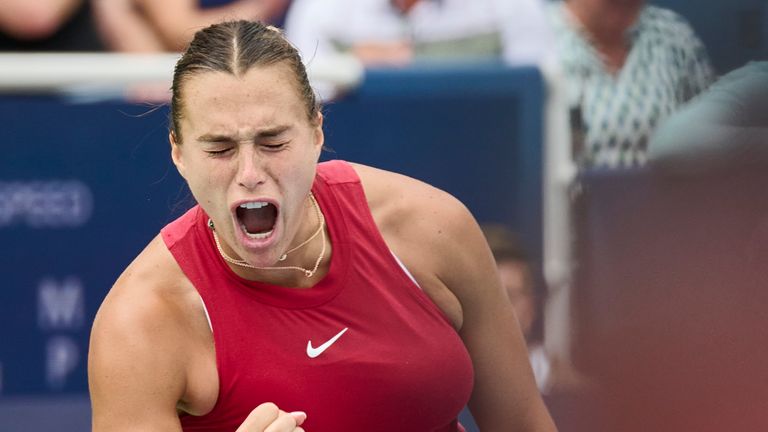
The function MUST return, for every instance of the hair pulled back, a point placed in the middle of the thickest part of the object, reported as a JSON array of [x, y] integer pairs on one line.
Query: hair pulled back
[[235, 47]]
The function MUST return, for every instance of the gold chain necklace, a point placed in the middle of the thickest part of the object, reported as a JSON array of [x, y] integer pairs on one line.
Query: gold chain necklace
[[321, 225], [307, 272]]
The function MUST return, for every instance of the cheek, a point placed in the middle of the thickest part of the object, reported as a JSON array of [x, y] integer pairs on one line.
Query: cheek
[[300, 177], [300, 168], [205, 180]]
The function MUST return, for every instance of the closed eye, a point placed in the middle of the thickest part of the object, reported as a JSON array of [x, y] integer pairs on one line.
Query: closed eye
[[273, 147], [216, 153]]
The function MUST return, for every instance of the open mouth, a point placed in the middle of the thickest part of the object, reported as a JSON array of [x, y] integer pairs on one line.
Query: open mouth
[[257, 219]]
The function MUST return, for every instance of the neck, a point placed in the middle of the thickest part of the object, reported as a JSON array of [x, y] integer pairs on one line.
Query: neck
[[291, 278], [310, 245], [609, 23]]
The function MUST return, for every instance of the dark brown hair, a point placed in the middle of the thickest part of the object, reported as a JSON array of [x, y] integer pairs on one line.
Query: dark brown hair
[[507, 246], [235, 47], [504, 243]]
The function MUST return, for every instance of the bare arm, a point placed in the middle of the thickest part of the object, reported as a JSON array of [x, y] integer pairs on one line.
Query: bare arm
[[123, 28], [505, 395], [141, 355], [35, 19], [135, 364], [176, 21], [436, 236], [136, 375]]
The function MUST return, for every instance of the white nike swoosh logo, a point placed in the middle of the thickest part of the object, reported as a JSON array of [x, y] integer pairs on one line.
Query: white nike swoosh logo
[[314, 352]]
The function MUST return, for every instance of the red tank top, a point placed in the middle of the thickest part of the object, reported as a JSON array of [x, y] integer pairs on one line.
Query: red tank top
[[399, 366]]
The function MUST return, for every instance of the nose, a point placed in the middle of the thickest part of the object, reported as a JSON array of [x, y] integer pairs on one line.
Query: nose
[[250, 170]]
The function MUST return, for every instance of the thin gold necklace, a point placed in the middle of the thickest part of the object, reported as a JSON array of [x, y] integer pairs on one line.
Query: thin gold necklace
[[320, 226], [307, 272]]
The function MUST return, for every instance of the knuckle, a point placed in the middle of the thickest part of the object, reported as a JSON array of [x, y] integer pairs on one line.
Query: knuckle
[[268, 408]]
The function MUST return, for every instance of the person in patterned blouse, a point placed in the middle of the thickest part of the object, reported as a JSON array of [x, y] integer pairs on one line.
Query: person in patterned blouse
[[628, 66]]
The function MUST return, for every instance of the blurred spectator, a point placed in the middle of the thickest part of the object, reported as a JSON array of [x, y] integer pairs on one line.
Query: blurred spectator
[[731, 127], [394, 32], [628, 66], [528, 299], [168, 25], [47, 25]]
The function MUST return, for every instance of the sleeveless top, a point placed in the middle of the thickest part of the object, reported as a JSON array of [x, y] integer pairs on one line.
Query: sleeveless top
[[398, 366]]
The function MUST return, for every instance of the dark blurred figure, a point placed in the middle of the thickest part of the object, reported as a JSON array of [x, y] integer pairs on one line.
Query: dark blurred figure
[[528, 299], [574, 402], [731, 127], [168, 25], [671, 283], [517, 278], [628, 65], [48, 25]]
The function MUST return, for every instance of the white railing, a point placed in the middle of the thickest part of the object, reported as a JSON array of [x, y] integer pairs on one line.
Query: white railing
[[37, 72], [559, 173]]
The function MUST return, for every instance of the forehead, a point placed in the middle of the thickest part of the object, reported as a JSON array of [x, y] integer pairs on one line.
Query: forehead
[[263, 93]]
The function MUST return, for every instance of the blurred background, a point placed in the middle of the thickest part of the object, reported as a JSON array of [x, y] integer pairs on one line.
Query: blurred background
[[613, 149]]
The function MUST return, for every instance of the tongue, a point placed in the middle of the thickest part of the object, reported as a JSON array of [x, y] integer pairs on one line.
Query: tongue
[[258, 221]]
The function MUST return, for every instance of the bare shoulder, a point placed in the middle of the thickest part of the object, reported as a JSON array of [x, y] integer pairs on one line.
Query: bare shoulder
[[442, 245], [151, 291], [140, 341], [399, 201], [432, 232]]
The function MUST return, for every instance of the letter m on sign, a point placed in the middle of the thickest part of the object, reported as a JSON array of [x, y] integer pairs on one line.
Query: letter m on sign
[[60, 306]]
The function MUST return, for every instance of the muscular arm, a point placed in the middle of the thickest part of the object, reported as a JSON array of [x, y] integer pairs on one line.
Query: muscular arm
[[136, 374], [35, 19], [505, 395], [123, 28], [437, 237], [168, 25], [143, 366], [176, 21], [136, 362]]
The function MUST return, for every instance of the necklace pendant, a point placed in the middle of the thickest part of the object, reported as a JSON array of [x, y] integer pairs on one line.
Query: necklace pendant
[[283, 257], [308, 273]]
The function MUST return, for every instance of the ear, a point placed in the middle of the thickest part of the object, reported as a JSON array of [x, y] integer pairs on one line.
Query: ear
[[319, 135], [176, 153]]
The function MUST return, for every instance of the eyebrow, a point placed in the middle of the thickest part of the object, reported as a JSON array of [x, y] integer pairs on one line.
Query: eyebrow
[[263, 133]]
